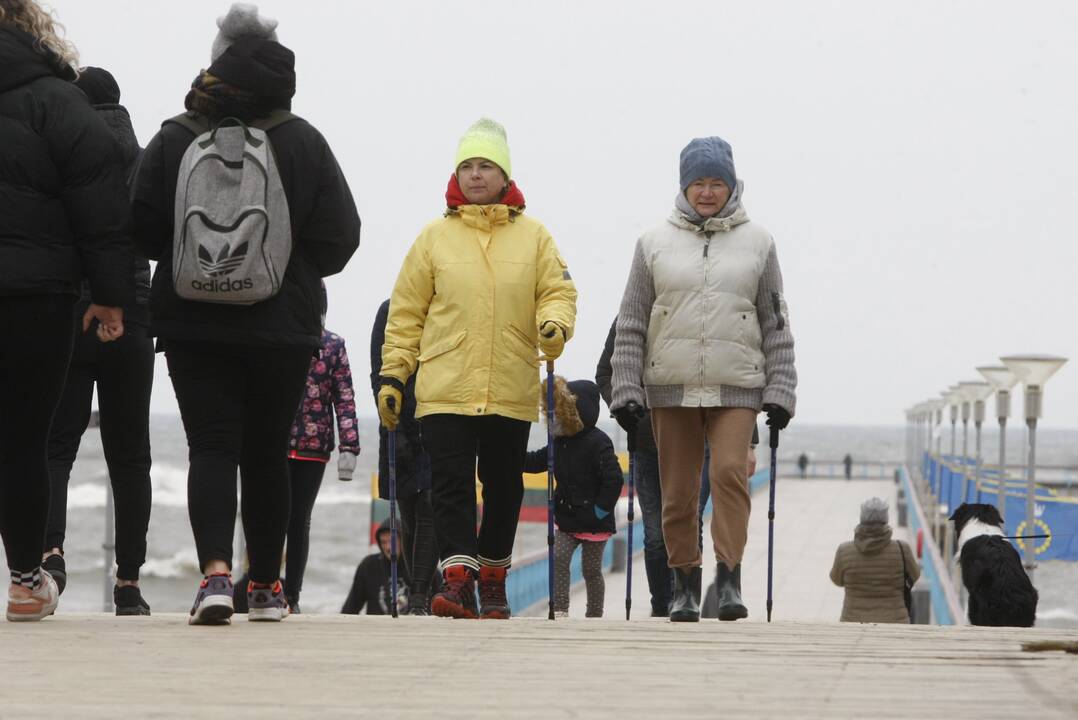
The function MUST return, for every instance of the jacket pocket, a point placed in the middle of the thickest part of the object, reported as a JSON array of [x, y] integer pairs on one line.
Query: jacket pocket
[[442, 347], [519, 344]]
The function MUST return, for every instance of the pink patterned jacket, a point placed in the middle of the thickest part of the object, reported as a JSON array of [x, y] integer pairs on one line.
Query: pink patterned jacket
[[329, 388]]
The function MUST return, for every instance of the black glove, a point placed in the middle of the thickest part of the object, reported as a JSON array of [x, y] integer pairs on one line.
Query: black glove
[[777, 417], [628, 416]]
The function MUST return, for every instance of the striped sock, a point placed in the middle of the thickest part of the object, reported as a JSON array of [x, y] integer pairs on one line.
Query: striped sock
[[30, 580]]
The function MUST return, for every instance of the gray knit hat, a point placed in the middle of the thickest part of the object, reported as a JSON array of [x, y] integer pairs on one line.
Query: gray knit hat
[[874, 511], [241, 21], [708, 157]]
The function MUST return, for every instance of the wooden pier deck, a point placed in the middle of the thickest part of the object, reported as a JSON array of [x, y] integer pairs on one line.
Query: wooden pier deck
[[96, 666]]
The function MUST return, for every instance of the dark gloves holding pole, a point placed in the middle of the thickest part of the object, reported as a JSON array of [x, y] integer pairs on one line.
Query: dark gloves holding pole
[[777, 417], [628, 416]]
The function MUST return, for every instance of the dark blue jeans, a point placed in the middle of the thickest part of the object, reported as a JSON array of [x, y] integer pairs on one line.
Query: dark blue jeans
[[649, 494]]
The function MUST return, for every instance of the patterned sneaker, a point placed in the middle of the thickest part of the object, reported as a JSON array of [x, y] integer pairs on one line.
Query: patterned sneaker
[[457, 598], [493, 605], [266, 603], [39, 605], [213, 604]]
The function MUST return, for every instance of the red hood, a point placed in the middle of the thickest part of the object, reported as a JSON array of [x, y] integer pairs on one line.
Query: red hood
[[454, 196]]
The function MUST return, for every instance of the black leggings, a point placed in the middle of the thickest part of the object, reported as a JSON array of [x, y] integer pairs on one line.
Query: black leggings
[[238, 403], [123, 372], [305, 478], [453, 443], [36, 334]]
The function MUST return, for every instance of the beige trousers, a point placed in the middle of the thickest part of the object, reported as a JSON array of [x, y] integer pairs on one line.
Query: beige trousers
[[680, 433]]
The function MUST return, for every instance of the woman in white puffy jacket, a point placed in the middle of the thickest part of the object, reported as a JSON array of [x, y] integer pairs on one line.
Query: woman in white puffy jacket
[[704, 341]]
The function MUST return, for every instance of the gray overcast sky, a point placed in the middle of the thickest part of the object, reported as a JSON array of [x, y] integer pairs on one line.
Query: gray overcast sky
[[916, 161]]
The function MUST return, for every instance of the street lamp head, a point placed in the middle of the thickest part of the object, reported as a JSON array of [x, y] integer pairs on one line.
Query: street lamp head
[[999, 376], [1034, 370], [975, 390]]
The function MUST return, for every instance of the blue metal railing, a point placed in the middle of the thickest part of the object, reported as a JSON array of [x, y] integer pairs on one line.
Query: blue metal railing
[[946, 609]]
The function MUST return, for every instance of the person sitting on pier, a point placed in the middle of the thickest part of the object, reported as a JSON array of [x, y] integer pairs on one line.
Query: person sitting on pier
[[703, 338], [873, 568], [589, 482], [370, 585]]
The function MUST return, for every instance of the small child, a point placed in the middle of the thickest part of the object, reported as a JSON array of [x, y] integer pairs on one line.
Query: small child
[[588, 483]]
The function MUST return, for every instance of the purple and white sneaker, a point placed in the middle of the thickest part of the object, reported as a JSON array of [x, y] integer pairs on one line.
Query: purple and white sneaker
[[213, 604], [266, 603]]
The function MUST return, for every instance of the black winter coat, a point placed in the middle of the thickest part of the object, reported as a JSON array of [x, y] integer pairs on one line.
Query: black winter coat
[[413, 464], [604, 373], [118, 121], [63, 202], [325, 233], [586, 470]]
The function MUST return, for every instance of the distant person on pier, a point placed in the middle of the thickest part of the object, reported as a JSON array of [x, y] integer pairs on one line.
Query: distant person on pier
[[63, 219], [703, 339], [589, 481], [329, 393], [239, 369], [847, 464], [481, 289], [123, 374], [802, 465], [872, 568], [418, 543]]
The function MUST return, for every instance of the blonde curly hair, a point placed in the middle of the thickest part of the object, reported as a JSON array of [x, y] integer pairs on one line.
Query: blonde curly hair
[[33, 18]]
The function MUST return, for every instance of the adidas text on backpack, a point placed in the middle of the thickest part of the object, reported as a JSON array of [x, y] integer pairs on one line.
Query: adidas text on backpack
[[233, 234]]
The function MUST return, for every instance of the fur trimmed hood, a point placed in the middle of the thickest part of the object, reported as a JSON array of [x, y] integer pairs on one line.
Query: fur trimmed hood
[[576, 406]]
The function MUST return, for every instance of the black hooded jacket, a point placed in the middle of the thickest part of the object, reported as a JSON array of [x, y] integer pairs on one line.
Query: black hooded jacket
[[413, 464], [325, 234], [586, 470], [63, 202], [103, 93]]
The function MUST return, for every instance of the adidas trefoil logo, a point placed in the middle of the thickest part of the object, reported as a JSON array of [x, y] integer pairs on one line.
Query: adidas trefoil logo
[[225, 263]]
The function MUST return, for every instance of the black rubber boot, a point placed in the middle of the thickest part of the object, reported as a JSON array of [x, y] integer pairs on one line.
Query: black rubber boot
[[660, 580], [728, 585], [685, 605]]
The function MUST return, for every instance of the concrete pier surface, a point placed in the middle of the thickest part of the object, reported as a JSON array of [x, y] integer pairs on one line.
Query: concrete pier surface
[[97, 666]]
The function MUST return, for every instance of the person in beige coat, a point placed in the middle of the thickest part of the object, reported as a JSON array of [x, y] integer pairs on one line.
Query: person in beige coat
[[872, 567]]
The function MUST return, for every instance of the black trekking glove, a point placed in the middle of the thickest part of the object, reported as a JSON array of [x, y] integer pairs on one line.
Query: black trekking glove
[[628, 416], [777, 417]]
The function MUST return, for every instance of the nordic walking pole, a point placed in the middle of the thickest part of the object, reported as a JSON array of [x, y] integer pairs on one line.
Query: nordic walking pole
[[550, 486], [771, 517], [393, 517], [631, 441]]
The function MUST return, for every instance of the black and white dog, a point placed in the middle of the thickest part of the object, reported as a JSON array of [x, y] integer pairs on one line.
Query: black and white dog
[[1000, 593]]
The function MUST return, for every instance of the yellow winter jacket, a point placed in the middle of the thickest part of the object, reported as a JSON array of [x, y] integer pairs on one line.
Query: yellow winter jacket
[[466, 308]]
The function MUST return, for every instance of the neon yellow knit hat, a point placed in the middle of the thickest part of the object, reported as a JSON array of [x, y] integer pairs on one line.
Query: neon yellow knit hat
[[485, 139]]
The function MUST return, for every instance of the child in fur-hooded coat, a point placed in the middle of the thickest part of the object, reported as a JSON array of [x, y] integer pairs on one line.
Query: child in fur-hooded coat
[[589, 481]]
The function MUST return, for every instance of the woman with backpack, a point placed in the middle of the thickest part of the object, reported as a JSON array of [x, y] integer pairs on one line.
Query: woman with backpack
[[239, 337], [480, 288], [703, 340], [64, 208]]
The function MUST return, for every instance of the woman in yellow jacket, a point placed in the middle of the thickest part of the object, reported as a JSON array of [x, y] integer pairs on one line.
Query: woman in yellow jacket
[[480, 289]]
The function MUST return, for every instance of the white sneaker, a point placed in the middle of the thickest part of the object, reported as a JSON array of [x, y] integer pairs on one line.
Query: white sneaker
[[40, 604], [559, 614]]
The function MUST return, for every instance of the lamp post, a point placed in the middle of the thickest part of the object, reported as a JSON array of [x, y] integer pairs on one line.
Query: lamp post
[[1002, 380], [953, 397], [1033, 371], [977, 392]]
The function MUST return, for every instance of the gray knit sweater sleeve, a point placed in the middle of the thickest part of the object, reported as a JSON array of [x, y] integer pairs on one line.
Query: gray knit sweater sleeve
[[631, 339], [778, 345]]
